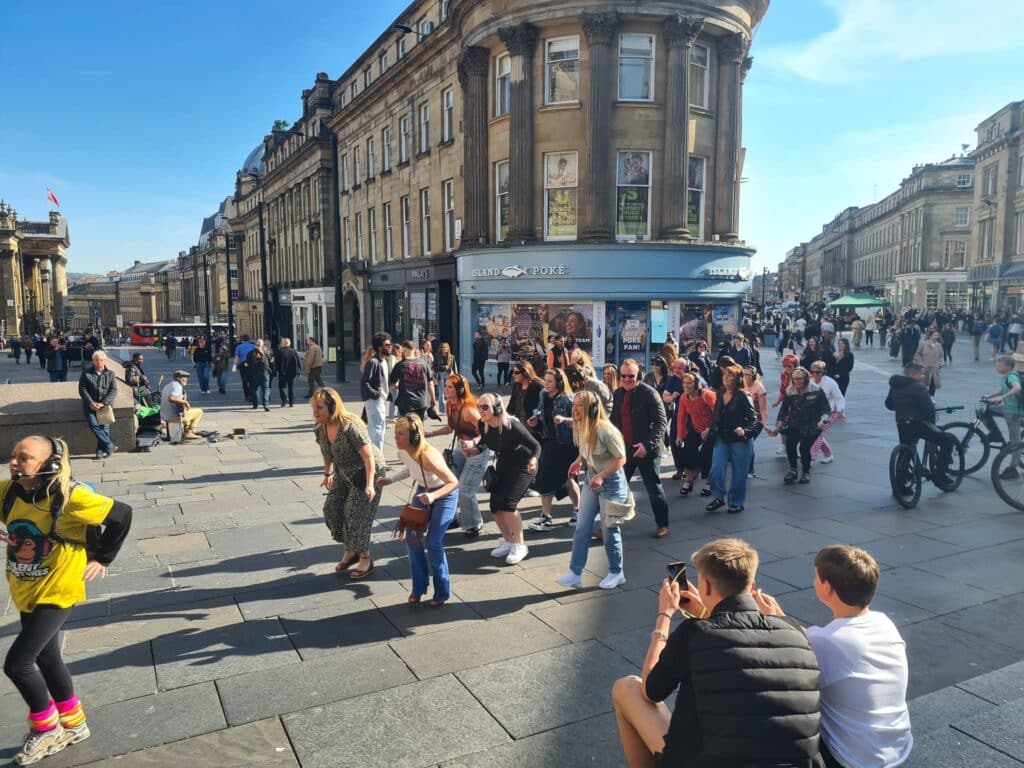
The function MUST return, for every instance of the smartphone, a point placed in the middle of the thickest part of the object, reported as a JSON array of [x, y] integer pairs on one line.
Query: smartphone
[[677, 572]]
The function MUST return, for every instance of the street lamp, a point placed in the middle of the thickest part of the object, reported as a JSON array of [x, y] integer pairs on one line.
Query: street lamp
[[405, 29], [206, 297]]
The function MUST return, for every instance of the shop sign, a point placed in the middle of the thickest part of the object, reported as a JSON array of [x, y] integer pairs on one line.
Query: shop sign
[[728, 273], [980, 274], [420, 274], [515, 270]]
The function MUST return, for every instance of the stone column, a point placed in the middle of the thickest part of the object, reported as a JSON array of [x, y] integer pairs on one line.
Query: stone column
[[597, 220], [731, 53], [521, 41], [680, 33], [473, 64], [59, 278]]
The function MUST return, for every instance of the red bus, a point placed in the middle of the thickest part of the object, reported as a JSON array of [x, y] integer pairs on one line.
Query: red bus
[[147, 333]]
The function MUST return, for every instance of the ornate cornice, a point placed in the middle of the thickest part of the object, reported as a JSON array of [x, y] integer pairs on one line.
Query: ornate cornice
[[682, 30], [732, 48], [521, 40], [600, 27], [473, 62]]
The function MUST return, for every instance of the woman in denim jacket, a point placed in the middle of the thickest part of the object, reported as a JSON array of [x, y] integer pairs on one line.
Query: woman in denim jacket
[[552, 421]]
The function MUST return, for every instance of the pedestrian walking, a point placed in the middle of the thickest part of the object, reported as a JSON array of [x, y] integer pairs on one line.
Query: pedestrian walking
[[241, 355], [837, 411], [55, 358], [27, 346], [436, 489], [444, 366], [221, 369], [517, 455], [755, 388], [735, 425], [97, 386], [314, 367], [373, 388], [202, 359], [602, 455], [526, 389], [929, 356], [695, 410], [40, 345], [978, 326], [870, 326], [481, 350], [47, 518], [948, 340], [259, 367], [352, 469], [412, 382], [640, 416], [840, 365], [552, 419], [803, 414], [994, 334], [287, 364], [504, 360], [910, 340], [469, 457], [16, 349]]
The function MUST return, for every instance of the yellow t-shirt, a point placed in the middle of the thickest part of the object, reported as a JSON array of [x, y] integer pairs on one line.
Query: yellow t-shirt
[[41, 571]]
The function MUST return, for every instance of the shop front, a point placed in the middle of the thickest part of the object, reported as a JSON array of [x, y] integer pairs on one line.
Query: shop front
[[412, 299], [984, 283], [612, 301], [309, 315], [932, 290]]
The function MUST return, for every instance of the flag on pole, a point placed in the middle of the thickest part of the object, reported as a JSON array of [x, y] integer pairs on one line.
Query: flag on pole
[[52, 197]]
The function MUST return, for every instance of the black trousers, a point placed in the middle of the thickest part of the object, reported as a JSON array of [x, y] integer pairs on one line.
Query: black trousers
[[648, 467], [478, 373], [34, 663], [246, 384], [286, 384], [794, 440], [869, 337], [947, 353], [504, 377]]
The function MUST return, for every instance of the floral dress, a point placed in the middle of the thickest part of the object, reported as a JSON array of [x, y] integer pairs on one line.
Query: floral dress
[[348, 514]]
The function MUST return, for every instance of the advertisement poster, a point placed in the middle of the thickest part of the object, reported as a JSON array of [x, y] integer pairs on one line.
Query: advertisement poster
[[528, 326], [418, 305], [597, 351], [560, 180], [495, 322], [632, 194], [575, 322], [725, 323], [633, 332], [694, 320]]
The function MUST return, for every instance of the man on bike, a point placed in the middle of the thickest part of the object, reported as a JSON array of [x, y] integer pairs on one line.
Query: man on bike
[[915, 412], [1007, 403]]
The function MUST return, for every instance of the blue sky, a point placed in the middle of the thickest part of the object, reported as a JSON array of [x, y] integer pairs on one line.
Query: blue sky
[[138, 114]]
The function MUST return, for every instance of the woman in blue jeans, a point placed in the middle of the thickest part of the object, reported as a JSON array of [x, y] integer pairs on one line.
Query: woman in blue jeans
[[735, 425], [603, 453], [435, 488]]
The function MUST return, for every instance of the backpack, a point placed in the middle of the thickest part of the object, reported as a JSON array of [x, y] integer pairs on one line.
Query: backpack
[[92, 532]]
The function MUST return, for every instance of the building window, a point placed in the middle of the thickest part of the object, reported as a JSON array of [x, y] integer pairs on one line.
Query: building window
[[448, 199], [1018, 233], [501, 207], [962, 217], [385, 149], [986, 241], [371, 158], [444, 9], [1020, 172], [636, 67], [344, 173], [406, 229], [382, 62], [357, 166], [562, 70], [424, 127], [695, 197], [448, 115], [359, 235], [633, 195], [425, 221], [560, 186], [426, 26], [964, 180], [234, 293], [233, 273], [367, 77], [354, 89], [404, 139], [400, 48], [988, 183], [347, 234], [388, 255], [698, 85], [954, 254], [502, 85], [371, 223]]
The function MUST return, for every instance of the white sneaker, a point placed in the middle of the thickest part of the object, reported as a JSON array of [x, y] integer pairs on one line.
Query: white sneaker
[[502, 549], [517, 554], [570, 580], [613, 580], [827, 459], [40, 745]]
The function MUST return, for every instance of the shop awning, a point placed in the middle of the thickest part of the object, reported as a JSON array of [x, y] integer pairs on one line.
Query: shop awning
[[851, 300], [1013, 270]]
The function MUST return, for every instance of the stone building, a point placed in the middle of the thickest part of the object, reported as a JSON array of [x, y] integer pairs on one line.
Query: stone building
[[204, 269], [791, 274], [997, 244], [142, 291], [570, 167], [249, 245], [33, 272], [92, 301]]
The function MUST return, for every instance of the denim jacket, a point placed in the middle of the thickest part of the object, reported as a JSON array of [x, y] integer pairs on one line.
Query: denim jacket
[[563, 407]]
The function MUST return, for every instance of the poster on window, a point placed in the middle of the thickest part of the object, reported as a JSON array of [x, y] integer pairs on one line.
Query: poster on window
[[561, 170], [561, 213], [494, 321], [633, 332], [694, 320], [634, 169], [725, 323], [633, 194], [418, 305], [575, 322]]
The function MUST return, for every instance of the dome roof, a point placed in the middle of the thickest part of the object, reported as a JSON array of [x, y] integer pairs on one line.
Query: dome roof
[[254, 161]]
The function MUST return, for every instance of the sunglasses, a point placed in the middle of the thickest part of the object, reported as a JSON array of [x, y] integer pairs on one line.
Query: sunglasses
[[799, 378], [627, 376], [483, 406]]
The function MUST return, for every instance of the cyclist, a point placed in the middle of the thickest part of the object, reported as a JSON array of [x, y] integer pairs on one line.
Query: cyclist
[[1007, 403], [915, 412]]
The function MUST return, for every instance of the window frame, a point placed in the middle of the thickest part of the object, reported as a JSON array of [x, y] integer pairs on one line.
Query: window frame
[[448, 115], [652, 67], [367, 77], [346, 228], [706, 69], [990, 174], [371, 158], [371, 229], [345, 186], [401, 50], [560, 238], [548, 64], [502, 90], [500, 198], [448, 214], [357, 167], [404, 138], [425, 220], [703, 192], [964, 180], [385, 149], [359, 235], [388, 233], [962, 216], [406, 211], [424, 127], [649, 187], [382, 61]]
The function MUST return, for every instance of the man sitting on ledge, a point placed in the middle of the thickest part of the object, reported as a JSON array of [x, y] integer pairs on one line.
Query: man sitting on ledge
[[748, 683], [175, 408]]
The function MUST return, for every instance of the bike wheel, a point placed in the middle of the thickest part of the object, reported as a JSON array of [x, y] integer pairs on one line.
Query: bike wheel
[[904, 477], [975, 442], [1010, 488], [946, 478]]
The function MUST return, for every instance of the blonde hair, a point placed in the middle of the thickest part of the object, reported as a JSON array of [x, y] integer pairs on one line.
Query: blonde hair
[[339, 414], [584, 430], [61, 482], [411, 423], [729, 564], [488, 399]]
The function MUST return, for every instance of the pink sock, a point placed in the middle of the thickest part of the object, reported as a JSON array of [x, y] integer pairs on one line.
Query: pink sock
[[44, 721], [66, 706]]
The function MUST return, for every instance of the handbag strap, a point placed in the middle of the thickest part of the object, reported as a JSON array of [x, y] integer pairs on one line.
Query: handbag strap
[[426, 486]]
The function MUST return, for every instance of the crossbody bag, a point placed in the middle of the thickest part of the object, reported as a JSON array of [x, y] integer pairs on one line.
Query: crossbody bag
[[414, 519]]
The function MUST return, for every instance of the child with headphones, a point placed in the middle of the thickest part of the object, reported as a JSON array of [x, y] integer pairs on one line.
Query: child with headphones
[[52, 550]]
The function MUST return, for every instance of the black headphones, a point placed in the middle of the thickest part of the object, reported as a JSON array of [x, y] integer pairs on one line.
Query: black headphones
[[559, 378], [52, 465], [460, 388], [592, 410], [498, 407], [329, 402], [414, 433]]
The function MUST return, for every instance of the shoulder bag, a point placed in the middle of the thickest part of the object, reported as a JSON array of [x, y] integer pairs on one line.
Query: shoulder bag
[[358, 478], [490, 478], [414, 519], [617, 512], [449, 452]]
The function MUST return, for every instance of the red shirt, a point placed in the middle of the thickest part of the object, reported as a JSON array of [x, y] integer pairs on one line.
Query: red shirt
[[627, 418]]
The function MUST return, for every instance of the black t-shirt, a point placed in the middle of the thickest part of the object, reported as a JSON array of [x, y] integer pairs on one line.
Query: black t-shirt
[[412, 377]]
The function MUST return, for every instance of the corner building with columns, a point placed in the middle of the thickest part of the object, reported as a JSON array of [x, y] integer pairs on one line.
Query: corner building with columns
[[528, 167]]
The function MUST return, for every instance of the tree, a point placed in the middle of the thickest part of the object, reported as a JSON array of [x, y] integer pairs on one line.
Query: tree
[[281, 125]]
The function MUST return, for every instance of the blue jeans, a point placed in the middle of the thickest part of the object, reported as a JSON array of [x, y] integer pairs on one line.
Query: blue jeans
[[615, 489], [222, 381], [203, 372], [376, 420], [737, 454], [470, 471], [430, 560], [261, 392], [103, 441], [59, 375]]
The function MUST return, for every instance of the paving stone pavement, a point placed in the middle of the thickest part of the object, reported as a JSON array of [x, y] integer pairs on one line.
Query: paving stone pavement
[[222, 636]]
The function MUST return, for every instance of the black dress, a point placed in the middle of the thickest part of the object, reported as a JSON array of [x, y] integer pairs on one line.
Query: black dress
[[841, 371], [514, 446]]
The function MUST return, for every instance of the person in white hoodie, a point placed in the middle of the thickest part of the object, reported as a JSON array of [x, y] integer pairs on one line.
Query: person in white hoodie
[[837, 404]]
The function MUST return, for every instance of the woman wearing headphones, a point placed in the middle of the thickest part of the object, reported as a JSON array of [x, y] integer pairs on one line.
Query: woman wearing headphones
[[351, 464], [603, 454], [49, 559], [469, 457], [518, 454], [437, 490], [553, 423]]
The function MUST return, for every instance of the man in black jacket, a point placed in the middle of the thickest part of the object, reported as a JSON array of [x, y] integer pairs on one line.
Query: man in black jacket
[[748, 683], [481, 351], [56, 357], [915, 412], [638, 413], [287, 364], [97, 386]]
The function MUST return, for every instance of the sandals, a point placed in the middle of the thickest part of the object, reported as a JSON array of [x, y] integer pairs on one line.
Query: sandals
[[705, 491], [686, 487], [734, 510], [414, 599], [805, 478], [344, 565], [357, 575], [715, 504], [790, 477], [662, 532]]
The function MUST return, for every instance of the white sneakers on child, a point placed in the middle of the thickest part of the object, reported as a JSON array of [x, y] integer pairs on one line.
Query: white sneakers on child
[[613, 580]]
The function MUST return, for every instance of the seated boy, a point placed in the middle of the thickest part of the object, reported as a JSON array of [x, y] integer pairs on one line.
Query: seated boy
[[863, 659], [748, 682]]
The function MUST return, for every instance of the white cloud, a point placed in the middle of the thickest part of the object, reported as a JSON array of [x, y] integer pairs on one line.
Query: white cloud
[[870, 33]]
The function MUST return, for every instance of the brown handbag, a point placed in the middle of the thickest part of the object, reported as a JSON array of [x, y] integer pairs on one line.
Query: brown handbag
[[414, 519]]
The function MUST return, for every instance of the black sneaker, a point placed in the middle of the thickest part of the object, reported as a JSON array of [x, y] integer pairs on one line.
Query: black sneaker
[[543, 525]]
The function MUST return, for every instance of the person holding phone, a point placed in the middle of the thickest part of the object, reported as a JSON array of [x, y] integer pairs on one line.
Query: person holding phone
[[772, 719]]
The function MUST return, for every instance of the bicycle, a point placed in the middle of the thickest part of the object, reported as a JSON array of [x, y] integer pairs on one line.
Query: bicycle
[[1011, 486], [977, 437], [907, 471]]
